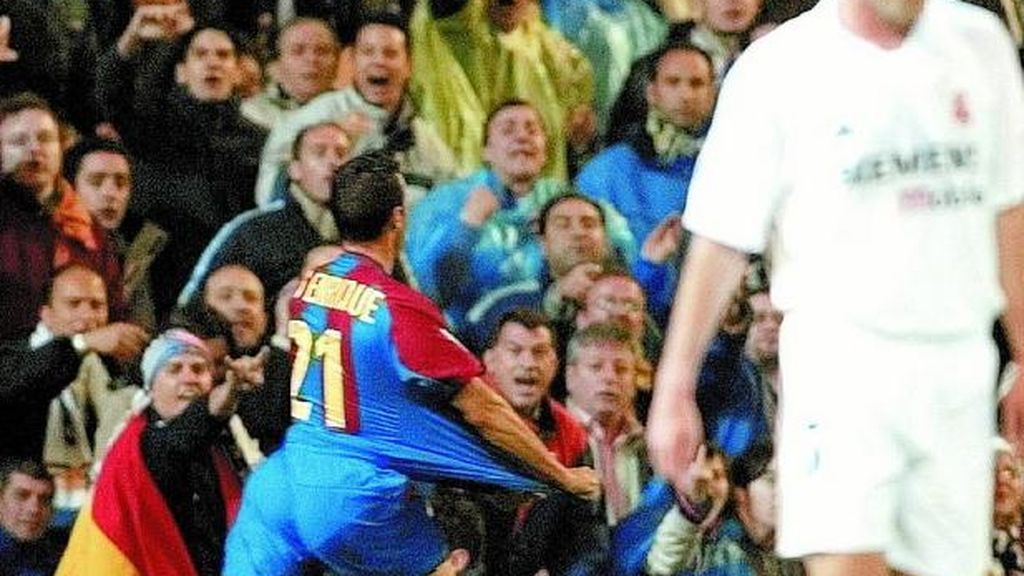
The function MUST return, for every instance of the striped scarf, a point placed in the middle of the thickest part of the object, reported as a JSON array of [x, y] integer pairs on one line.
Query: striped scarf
[[670, 140]]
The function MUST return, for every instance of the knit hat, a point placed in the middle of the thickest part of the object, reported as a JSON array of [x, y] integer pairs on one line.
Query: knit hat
[[167, 346]]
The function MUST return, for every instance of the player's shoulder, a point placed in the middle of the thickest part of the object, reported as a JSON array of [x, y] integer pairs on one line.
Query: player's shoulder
[[406, 296], [780, 52], [966, 16], [967, 28], [404, 301]]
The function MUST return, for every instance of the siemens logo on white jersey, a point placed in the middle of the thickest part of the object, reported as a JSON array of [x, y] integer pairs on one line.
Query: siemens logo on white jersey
[[933, 159]]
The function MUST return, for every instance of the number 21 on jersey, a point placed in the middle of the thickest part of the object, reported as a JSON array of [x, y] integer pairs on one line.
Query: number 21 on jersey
[[326, 349]]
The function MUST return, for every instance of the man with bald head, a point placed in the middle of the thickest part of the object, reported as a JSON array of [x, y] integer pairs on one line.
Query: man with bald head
[[305, 67], [236, 294], [66, 348], [271, 241]]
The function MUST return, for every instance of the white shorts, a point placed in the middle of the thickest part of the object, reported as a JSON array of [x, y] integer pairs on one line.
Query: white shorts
[[884, 446]]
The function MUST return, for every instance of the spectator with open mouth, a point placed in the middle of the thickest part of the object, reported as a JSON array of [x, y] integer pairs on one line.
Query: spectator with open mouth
[[376, 111], [169, 90]]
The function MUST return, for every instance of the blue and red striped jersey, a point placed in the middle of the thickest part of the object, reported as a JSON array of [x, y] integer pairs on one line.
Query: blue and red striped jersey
[[374, 371]]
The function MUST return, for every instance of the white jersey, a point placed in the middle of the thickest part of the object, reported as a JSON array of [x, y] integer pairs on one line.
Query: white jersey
[[876, 175]]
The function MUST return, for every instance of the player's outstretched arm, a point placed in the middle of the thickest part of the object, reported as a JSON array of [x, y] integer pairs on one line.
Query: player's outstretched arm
[[492, 416], [1011, 271], [674, 429]]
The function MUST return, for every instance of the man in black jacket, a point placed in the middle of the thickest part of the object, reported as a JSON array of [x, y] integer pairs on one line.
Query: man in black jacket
[[271, 242], [169, 91], [34, 371]]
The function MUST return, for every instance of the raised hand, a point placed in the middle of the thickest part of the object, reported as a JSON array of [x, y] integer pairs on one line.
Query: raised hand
[[574, 285], [480, 205], [706, 485], [155, 23], [663, 241], [119, 340], [7, 54], [246, 372]]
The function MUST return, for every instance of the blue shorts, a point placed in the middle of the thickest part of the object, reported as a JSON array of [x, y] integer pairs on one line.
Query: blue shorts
[[345, 512]]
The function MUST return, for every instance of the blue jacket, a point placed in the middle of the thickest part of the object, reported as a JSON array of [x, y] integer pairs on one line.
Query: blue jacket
[[39, 558], [730, 396], [642, 190], [455, 264]]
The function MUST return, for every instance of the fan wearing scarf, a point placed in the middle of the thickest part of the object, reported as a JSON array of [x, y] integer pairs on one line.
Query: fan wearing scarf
[[646, 175], [166, 493], [43, 224]]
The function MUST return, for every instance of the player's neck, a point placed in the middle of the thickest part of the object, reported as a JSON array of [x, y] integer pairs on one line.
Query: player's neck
[[885, 23], [378, 251]]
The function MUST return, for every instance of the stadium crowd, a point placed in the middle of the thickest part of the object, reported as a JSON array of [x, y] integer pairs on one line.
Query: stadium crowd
[[169, 192]]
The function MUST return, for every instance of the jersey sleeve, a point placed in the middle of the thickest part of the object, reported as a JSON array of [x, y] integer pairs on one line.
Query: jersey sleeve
[[737, 179], [425, 347]]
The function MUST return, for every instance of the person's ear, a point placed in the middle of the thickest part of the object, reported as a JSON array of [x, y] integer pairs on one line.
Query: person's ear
[[46, 315], [460, 559], [488, 358], [398, 218]]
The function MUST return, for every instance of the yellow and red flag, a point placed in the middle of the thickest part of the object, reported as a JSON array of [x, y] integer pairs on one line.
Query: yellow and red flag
[[127, 529]]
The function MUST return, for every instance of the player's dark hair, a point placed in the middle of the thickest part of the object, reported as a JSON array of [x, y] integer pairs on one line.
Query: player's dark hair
[[365, 192]]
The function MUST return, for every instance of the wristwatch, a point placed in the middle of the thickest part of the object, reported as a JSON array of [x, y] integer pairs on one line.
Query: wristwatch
[[79, 344]]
